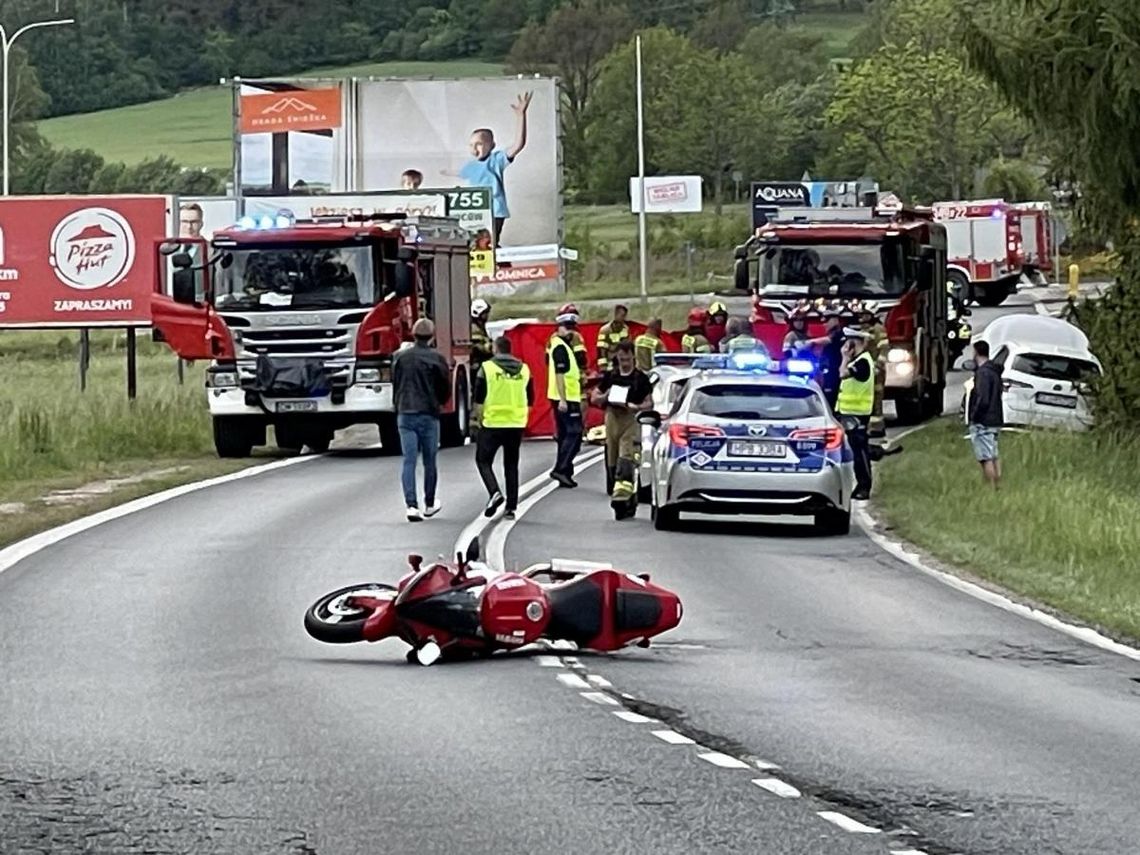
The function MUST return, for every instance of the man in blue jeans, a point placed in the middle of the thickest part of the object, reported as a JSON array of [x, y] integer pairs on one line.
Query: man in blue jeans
[[421, 382], [985, 413]]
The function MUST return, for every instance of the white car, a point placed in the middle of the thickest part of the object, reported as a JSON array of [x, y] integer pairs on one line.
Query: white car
[[1046, 365], [669, 375]]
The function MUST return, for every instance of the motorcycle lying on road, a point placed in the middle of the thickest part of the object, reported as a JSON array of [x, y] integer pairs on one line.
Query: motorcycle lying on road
[[443, 611]]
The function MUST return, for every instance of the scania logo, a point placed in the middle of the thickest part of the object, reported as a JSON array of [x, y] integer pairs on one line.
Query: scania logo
[[291, 320], [757, 430]]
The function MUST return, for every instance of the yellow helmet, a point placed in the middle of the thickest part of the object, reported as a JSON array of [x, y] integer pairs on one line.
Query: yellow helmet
[[717, 308]]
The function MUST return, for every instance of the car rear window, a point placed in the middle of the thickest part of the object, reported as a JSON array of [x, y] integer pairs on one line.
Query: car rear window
[[756, 402], [1055, 367]]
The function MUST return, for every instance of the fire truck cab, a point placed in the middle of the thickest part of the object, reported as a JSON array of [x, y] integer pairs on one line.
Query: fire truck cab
[[300, 322], [985, 249], [891, 260]]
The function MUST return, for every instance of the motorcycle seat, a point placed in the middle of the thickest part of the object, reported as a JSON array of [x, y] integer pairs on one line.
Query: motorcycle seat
[[575, 610]]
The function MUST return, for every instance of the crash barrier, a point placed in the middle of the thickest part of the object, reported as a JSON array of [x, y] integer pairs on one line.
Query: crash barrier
[[528, 343]]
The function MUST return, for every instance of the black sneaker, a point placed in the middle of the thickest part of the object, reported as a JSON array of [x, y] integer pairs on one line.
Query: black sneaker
[[861, 495], [563, 480], [509, 515], [493, 504]]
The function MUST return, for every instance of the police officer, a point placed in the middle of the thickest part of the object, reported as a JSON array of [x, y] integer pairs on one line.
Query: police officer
[[878, 347], [611, 335], [624, 391], [647, 344], [831, 355], [564, 371], [856, 402], [503, 395], [694, 340]]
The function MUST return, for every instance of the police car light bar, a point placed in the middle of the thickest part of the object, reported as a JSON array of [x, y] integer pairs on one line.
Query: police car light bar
[[676, 358], [758, 362]]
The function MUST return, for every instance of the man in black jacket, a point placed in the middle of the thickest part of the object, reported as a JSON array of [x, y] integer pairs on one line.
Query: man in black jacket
[[985, 413], [421, 384]]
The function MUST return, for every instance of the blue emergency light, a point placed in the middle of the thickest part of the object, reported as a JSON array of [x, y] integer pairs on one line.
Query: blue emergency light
[[283, 219], [757, 362], [799, 366]]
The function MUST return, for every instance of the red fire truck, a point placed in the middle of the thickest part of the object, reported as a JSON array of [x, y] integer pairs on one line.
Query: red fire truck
[[1037, 236], [890, 260], [985, 249], [300, 321]]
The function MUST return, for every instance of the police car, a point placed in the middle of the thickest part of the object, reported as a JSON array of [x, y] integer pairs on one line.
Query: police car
[[751, 436]]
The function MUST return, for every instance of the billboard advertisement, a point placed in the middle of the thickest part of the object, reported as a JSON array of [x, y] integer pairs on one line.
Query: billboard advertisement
[[667, 194], [496, 134], [769, 196], [79, 261]]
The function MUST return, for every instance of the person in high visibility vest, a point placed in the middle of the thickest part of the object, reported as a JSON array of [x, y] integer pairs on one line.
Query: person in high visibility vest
[[624, 391], [564, 373], [647, 344], [878, 347], [856, 402], [611, 335], [502, 397], [738, 338], [694, 340]]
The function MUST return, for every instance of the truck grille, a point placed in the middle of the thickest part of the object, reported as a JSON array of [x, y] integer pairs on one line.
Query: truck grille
[[331, 339]]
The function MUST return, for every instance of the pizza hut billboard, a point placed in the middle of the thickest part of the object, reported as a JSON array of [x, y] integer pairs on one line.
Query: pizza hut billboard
[[79, 261]]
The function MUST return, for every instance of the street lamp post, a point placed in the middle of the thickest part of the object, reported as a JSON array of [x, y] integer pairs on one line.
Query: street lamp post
[[6, 45]]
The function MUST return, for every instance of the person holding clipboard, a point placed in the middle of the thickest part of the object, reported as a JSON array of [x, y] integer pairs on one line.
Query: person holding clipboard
[[624, 391]]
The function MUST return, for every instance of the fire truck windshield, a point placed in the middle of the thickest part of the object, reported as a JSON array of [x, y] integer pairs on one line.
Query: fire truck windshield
[[833, 270], [303, 277]]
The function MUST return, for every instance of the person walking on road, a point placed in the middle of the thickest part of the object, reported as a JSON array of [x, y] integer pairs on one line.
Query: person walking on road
[[421, 381], [625, 390], [856, 402], [564, 391], [647, 345], [503, 395], [985, 413]]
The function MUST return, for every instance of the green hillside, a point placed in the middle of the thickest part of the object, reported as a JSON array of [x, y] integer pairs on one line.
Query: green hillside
[[195, 128]]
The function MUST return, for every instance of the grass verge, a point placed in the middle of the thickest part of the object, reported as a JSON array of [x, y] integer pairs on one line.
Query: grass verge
[[58, 438], [1062, 530]]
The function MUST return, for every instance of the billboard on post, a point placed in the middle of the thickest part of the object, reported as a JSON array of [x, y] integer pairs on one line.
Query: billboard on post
[[770, 196], [79, 261]]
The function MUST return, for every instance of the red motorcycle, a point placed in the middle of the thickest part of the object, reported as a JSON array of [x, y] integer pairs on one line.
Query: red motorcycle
[[443, 611]]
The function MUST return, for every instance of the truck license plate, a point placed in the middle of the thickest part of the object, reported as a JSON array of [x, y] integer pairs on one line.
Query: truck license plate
[[296, 406], [1066, 401], [752, 448]]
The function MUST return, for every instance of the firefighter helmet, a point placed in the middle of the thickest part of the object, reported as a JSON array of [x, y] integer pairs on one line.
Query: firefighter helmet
[[697, 316], [479, 307], [717, 308], [567, 314]]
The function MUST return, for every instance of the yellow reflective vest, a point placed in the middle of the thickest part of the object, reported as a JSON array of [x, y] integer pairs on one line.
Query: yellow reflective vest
[[857, 397], [505, 405], [573, 377]]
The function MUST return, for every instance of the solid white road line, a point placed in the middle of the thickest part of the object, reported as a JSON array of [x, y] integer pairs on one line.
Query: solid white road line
[[497, 543], [632, 717], [911, 558], [847, 823], [724, 761], [672, 737], [480, 524], [22, 549], [777, 787]]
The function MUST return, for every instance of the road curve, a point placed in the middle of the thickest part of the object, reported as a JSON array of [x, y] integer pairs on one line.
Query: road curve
[[159, 694]]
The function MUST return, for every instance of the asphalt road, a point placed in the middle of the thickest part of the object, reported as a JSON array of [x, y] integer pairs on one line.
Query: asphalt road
[[158, 694]]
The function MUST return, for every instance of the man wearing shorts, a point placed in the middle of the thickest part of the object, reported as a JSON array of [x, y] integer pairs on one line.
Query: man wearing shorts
[[985, 413]]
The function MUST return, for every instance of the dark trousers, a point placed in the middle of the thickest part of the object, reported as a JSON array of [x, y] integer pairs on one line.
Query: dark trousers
[[568, 435], [857, 427], [486, 447]]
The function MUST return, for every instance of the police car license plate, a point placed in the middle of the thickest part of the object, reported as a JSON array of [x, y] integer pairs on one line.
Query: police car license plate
[[753, 448], [1066, 401], [297, 406]]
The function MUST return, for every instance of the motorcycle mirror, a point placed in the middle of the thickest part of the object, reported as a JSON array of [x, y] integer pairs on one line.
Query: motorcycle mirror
[[473, 551], [428, 654]]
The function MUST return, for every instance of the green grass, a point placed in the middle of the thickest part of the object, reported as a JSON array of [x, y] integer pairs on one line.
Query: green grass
[[1062, 530], [195, 127]]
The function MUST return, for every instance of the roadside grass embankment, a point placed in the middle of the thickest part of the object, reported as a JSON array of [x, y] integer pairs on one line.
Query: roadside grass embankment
[[57, 439], [1063, 530]]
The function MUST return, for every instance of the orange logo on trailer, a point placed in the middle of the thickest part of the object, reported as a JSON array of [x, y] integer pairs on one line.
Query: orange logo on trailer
[[294, 110]]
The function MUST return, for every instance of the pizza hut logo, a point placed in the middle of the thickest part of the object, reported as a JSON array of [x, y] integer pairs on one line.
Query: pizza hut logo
[[93, 248]]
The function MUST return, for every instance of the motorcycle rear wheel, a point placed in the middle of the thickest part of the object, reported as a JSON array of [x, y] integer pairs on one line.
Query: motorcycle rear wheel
[[330, 620]]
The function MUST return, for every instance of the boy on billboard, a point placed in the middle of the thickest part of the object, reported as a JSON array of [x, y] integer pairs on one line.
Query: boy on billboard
[[487, 169]]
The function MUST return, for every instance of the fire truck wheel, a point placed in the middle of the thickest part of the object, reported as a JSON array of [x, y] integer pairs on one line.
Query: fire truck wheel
[[454, 427], [233, 437], [960, 286], [288, 438], [318, 441]]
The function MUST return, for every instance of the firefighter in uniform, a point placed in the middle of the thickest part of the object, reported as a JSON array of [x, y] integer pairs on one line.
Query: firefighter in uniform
[[856, 402], [738, 338], [694, 340], [716, 327], [481, 349], [647, 344], [611, 335], [624, 391]]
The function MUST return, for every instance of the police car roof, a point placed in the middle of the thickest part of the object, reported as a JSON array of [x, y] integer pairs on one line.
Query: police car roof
[[750, 377]]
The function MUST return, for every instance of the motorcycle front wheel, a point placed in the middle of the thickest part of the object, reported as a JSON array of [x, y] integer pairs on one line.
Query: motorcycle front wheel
[[333, 620]]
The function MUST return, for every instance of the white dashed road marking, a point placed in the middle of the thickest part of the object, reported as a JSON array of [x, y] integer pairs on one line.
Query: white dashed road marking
[[632, 717], [599, 698], [673, 738], [724, 761], [548, 661], [573, 681], [777, 787], [847, 823]]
